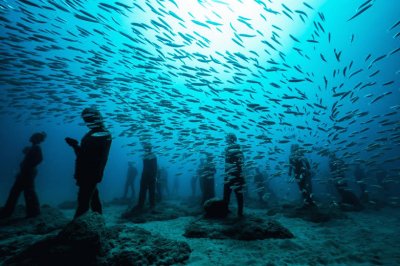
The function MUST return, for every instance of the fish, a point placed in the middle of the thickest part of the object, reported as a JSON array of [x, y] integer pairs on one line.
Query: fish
[[200, 23], [175, 16], [308, 5], [295, 39], [337, 55], [85, 18], [394, 51], [364, 7], [394, 25], [162, 79], [26, 2]]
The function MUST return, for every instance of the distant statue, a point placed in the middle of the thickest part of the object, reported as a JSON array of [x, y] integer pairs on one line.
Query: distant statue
[[25, 179], [300, 167], [149, 176], [130, 180], [196, 177], [385, 184], [207, 181], [193, 184], [91, 159], [348, 200], [234, 179], [260, 184], [360, 178], [175, 186], [162, 183], [381, 177]]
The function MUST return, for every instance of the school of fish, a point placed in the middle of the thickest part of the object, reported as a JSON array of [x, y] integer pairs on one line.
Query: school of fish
[[158, 74]]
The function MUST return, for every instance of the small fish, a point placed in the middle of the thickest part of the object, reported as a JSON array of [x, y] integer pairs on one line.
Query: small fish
[[29, 3], [365, 8], [176, 16], [337, 55], [286, 14], [200, 23], [307, 5], [395, 25], [394, 51], [294, 38], [86, 18]]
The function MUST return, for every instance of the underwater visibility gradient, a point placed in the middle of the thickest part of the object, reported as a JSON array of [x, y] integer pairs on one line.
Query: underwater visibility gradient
[[182, 74]]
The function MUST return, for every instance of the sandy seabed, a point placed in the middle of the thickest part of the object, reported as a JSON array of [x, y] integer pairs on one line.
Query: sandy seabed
[[363, 238]]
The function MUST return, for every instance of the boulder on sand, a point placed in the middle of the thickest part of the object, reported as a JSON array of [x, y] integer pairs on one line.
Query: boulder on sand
[[18, 232], [50, 219], [244, 228], [87, 241], [215, 208]]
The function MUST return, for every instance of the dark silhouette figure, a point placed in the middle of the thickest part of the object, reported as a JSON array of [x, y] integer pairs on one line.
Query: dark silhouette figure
[[162, 183], [25, 179], [91, 159], [196, 177], [300, 166], [360, 178], [207, 181], [193, 184], [385, 184], [130, 180], [260, 184], [149, 176], [381, 177], [234, 179], [349, 201], [175, 187]]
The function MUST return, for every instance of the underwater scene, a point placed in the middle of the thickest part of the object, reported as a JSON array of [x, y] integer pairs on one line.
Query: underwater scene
[[200, 132]]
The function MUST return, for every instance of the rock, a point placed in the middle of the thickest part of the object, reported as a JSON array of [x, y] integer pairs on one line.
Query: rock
[[87, 241], [18, 232], [88, 233], [215, 208], [13, 245], [49, 220], [245, 228], [82, 242], [136, 246]]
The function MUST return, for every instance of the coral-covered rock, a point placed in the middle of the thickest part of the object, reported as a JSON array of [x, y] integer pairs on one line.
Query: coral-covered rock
[[136, 246], [215, 208], [82, 242], [87, 241], [49, 220], [245, 228]]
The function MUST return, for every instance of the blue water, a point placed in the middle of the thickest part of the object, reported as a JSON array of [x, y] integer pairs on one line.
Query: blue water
[[183, 74]]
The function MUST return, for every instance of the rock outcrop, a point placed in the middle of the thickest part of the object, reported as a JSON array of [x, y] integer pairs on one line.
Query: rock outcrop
[[87, 241], [244, 228]]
